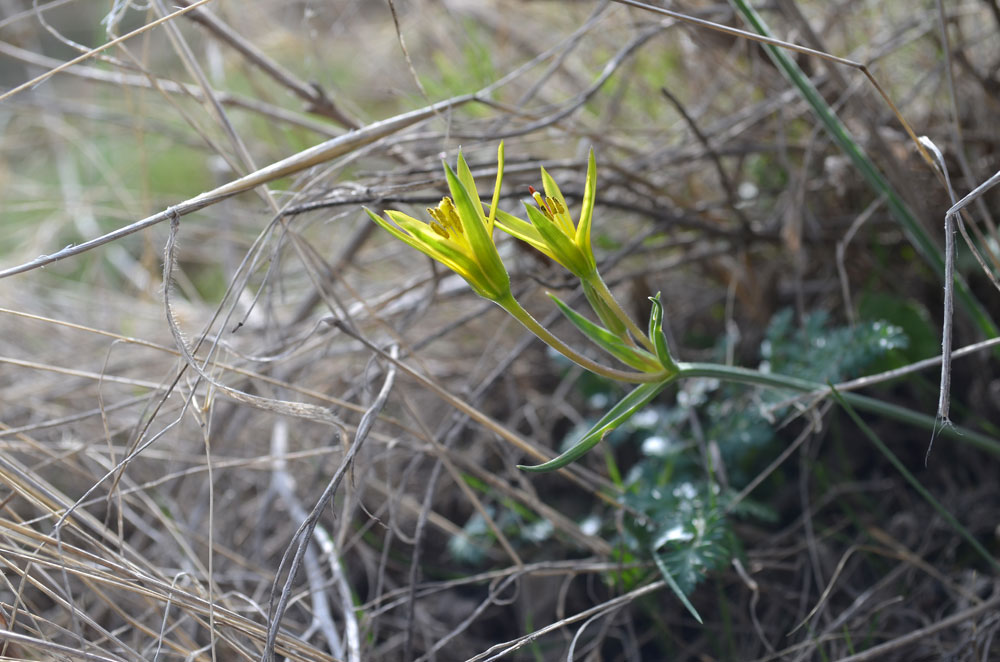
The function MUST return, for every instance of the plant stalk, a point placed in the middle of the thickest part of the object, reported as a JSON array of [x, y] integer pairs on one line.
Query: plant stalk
[[601, 288], [510, 304]]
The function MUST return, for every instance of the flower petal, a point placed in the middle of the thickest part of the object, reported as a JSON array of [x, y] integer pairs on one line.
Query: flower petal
[[395, 231], [587, 209], [521, 229], [494, 203], [484, 251], [552, 190], [416, 234], [561, 247], [469, 182]]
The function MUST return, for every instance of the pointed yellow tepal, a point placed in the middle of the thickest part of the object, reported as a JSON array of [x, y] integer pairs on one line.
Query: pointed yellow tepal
[[460, 233], [552, 230]]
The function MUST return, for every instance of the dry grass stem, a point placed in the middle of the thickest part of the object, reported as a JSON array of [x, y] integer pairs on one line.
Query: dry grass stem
[[238, 421]]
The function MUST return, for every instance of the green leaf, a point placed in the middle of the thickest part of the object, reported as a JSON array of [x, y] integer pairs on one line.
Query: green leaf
[[656, 335], [672, 583], [682, 525], [819, 352], [628, 354], [908, 314], [621, 412]]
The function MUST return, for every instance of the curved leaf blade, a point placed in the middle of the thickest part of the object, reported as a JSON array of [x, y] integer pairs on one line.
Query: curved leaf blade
[[621, 412], [675, 587], [628, 354], [656, 335]]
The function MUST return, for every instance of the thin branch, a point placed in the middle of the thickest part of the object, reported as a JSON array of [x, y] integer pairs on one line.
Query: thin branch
[[94, 51], [315, 97], [306, 529], [307, 158]]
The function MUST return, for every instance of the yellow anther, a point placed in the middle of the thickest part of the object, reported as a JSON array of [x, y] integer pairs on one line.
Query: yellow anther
[[556, 206], [450, 215], [550, 206], [437, 215], [438, 228]]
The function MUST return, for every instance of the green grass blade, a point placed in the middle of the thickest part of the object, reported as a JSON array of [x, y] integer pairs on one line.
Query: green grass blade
[[628, 354], [656, 335], [621, 412], [672, 583], [838, 132], [912, 480]]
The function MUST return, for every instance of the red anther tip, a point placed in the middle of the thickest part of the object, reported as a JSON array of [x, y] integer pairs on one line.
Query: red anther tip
[[531, 190]]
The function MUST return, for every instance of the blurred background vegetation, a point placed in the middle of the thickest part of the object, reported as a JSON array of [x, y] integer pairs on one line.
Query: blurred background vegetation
[[151, 498]]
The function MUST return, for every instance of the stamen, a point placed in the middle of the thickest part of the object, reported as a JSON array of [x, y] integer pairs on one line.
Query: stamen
[[540, 202], [440, 222], [550, 204], [450, 214], [439, 229]]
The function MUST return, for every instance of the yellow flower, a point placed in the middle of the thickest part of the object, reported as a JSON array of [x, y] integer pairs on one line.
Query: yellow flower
[[460, 233], [552, 231]]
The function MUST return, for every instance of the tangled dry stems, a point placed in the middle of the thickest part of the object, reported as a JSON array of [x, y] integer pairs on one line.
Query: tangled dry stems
[[161, 452]]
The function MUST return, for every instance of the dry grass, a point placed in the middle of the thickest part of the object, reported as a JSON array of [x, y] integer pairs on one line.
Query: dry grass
[[159, 454]]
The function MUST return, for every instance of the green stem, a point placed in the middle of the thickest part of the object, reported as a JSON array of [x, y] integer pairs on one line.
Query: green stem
[[873, 405], [912, 480], [602, 290], [510, 304], [644, 394]]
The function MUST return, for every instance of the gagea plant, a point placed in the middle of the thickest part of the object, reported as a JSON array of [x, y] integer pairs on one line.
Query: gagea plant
[[680, 518], [460, 235]]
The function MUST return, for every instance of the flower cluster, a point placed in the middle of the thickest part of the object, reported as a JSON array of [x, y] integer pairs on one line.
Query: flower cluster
[[460, 235]]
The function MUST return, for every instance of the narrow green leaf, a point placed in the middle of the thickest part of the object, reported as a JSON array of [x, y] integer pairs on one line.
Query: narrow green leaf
[[914, 230], [912, 480], [628, 354], [656, 335], [621, 412], [672, 583]]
